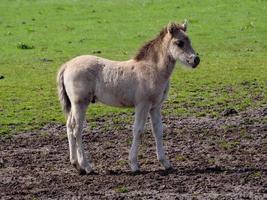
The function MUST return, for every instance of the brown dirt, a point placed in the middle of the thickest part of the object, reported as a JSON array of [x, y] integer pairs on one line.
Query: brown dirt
[[224, 158]]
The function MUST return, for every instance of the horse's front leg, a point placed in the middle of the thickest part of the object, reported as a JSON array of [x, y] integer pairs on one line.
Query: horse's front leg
[[157, 129], [139, 122]]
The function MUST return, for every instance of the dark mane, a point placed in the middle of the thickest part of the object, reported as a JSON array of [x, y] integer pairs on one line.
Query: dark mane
[[150, 48]]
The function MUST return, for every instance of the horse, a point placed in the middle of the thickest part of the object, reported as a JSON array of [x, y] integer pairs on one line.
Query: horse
[[141, 82]]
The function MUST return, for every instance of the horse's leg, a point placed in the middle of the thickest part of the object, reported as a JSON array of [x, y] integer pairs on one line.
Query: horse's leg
[[157, 130], [78, 114], [72, 141], [139, 122]]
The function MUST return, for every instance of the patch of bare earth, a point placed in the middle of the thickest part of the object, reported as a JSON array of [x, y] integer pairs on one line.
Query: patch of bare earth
[[224, 158]]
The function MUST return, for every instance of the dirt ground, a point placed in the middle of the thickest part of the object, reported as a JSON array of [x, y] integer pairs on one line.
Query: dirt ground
[[223, 158]]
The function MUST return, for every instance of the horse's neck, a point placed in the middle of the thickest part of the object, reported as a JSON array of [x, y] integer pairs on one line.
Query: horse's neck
[[165, 63], [165, 67]]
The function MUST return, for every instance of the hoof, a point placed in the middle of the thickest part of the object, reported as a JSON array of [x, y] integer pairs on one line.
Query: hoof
[[137, 172], [75, 165], [135, 168], [81, 171], [169, 169], [166, 164], [87, 170]]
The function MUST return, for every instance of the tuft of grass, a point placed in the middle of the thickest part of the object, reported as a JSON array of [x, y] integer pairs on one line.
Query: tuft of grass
[[122, 163], [44, 134], [228, 145], [257, 174], [122, 189], [180, 158], [24, 46], [129, 141]]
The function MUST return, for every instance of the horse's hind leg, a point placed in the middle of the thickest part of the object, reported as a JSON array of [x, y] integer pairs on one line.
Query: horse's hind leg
[[78, 116], [72, 141]]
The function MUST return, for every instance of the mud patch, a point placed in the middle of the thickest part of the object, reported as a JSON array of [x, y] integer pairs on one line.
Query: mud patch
[[223, 158]]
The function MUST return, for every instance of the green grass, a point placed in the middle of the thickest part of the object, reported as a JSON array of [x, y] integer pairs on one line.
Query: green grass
[[229, 35], [121, 189]]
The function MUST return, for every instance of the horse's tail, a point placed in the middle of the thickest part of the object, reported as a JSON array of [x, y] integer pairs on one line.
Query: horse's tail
[[63, 97]]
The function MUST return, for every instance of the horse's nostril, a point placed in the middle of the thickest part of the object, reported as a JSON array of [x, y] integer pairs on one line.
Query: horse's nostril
[[196, 60]]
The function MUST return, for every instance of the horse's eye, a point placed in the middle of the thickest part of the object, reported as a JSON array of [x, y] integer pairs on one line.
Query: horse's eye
[[180, 44]]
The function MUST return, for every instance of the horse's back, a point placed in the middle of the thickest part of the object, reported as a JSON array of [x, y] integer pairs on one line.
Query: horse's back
[[90, 76], [83, 61]]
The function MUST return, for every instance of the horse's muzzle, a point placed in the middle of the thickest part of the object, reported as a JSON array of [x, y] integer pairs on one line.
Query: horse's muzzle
[[196, 62]]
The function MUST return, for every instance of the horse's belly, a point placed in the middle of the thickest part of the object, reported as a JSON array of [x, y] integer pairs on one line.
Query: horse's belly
[[115, 100]]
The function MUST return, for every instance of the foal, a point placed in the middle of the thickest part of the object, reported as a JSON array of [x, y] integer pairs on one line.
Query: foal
[[141, 82]]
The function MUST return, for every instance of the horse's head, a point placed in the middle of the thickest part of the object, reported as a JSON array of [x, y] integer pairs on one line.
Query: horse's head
[[180, 45]]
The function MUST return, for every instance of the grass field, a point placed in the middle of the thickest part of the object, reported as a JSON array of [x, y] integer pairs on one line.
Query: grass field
[[38, 36]]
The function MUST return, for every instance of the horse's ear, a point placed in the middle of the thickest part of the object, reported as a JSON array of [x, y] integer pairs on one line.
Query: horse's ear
[[185, 25], [172, 28]]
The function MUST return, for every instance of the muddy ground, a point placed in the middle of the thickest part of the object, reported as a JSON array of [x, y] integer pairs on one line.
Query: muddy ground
[[223, 158]]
